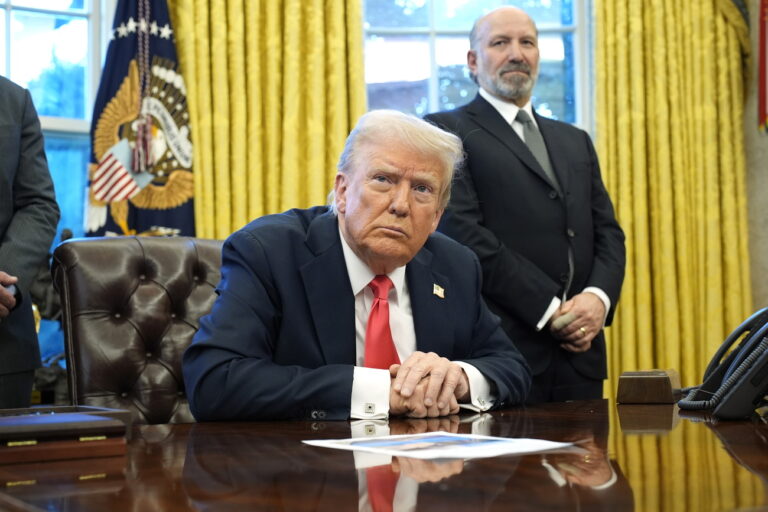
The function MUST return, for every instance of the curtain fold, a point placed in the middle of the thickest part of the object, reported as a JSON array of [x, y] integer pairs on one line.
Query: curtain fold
[[670, 83], [274, 89]]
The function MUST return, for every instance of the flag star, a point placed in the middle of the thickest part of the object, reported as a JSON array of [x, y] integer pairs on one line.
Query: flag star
[[131, 25], [122, 31], [143, 25], [165, 31], [153, 28]]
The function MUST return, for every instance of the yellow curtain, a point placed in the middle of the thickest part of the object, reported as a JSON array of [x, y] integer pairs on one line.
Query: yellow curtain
[[274, 87], [670, 94], [670, 81]]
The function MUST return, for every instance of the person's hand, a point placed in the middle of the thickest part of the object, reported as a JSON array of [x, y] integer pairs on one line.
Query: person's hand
[[578, 321], [427, 470], [446, 379], [7, 300], [414, 405]]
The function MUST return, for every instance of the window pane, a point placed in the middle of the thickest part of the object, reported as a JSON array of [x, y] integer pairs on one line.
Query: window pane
[[48, 56], [397, 72], [396, 13], [454, 85], [68, 162], [554, 93], [460, 14], [59, 5]]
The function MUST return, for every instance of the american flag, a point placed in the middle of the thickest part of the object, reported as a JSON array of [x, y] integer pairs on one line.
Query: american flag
[[112, 181]]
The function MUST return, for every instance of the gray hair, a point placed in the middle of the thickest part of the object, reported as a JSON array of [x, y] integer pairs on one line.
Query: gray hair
[[383, 127]]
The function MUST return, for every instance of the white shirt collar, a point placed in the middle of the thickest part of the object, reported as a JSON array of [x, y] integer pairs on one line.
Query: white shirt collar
[[507, 109], [360, 274]]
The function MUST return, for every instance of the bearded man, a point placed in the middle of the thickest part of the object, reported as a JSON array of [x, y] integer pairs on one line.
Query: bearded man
[[531, 203]]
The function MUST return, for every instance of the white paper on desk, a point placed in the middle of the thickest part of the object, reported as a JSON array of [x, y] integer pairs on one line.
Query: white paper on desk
[[441, 445]]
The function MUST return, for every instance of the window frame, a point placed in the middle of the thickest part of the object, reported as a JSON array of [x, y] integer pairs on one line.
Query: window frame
[[98, 14], [580, 30]]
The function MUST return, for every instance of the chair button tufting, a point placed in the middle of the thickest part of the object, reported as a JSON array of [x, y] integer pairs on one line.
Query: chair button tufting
[[124, 394], [117, 315]]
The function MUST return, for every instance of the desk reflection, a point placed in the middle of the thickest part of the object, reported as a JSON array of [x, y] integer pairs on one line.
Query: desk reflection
[[228, 472]]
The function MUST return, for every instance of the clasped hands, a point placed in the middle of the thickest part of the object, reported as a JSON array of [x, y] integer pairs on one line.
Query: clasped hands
[[7, 300], [426, 386], [577, 321]]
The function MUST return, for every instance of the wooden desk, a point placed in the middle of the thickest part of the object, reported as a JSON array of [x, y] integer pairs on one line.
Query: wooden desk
[[655, 460]]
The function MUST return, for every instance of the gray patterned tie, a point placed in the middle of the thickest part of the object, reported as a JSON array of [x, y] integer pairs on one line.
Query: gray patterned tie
[[535, 143]]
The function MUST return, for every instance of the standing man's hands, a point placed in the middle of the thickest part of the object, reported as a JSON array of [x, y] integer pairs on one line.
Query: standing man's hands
[[7, 299], [427, 385], [578, 321]]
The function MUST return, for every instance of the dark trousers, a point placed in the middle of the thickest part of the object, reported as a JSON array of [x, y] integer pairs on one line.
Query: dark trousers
[[16, 389], [561, 383]]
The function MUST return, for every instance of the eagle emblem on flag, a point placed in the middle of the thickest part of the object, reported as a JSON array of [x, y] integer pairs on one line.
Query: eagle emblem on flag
[[141, 147]]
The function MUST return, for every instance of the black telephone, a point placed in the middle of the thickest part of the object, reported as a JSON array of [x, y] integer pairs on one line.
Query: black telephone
[[734, 386]]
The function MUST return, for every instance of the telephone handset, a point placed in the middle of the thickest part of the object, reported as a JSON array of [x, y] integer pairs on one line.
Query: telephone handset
[[734, 384]]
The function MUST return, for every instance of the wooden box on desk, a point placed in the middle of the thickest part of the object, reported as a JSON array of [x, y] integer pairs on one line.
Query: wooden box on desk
[[649, 387], [28, 435]]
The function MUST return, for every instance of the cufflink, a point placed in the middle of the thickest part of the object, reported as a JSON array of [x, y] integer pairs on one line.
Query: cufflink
[[370, 408]]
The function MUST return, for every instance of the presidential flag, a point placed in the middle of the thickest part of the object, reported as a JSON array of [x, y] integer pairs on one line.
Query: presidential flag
[[140, 176]]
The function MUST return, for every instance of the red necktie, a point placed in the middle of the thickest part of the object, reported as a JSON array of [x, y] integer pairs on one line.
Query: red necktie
[[381, 487], [379, 348]]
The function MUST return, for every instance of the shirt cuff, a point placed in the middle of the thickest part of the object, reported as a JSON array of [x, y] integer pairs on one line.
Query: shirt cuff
[[370, 394], [480, 397], [553, 306], [603, 298]]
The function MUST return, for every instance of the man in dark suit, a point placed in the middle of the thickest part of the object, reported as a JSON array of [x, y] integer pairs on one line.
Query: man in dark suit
[[28, 217], [288, 336], [531, 203]]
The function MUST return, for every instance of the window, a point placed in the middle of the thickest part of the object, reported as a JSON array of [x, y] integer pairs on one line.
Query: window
[[54, 49], [415, 54]]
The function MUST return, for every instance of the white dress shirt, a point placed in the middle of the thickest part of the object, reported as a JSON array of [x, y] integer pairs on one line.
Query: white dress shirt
[[509, 111], [370, 386]]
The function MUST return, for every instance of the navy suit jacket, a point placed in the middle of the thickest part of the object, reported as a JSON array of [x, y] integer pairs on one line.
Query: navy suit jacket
[[504, 208], [280, 339], [28, 217]]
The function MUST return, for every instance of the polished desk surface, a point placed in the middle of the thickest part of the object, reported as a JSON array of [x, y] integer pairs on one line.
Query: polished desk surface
[[633, 458]]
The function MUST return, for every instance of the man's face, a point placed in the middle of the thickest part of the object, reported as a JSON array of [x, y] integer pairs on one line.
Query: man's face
[[388, 203], [505, 58]]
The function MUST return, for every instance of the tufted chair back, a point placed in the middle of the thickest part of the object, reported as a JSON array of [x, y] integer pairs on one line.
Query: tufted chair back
[[130, 307]]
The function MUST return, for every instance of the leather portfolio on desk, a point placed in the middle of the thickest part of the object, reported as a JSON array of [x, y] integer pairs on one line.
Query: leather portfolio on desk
[[55, 436]]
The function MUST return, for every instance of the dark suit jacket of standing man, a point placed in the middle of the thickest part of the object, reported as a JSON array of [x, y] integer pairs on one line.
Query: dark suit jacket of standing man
[[503, 207], [280, 340], [28, 217]]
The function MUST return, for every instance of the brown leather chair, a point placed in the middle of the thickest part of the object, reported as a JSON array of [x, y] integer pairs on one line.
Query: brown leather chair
[[130, 306]]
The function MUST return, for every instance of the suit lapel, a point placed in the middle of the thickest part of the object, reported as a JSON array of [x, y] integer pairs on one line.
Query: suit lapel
[[491, 121], [431, 319], [333, 313]]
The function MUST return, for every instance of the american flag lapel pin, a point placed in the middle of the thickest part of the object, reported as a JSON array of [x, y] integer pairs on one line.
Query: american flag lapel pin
[[438, 290]]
